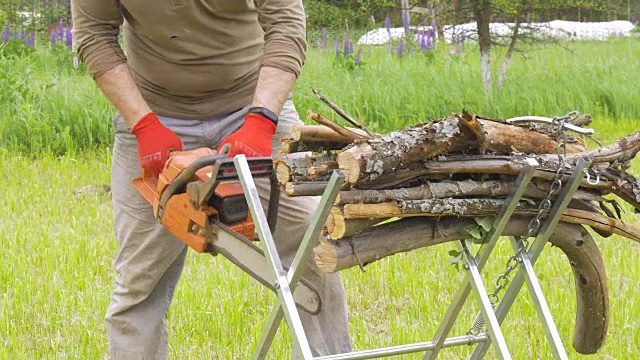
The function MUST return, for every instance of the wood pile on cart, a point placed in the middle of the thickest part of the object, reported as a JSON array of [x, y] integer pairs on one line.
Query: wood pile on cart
[[430, 183]]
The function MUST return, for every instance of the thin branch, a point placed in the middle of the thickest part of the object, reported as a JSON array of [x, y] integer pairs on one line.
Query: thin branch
[[343, 114], [335, 126]]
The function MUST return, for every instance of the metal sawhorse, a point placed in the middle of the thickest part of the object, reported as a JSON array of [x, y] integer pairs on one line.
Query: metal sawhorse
[[286, 281]]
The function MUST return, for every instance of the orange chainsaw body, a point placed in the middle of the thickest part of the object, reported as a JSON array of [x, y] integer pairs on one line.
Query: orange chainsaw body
[[193, 225]]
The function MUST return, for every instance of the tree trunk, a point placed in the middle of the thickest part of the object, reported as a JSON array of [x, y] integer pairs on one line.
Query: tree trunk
[[507, 57], [441, 18], [482, 15]]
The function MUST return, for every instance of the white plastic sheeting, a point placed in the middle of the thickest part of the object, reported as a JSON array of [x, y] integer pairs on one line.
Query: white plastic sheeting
[[568, 30]]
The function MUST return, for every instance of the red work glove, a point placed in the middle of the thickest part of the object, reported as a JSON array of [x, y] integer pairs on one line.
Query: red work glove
[[155, 141], [253, 138]]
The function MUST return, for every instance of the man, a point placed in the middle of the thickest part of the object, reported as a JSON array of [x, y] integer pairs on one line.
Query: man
[[196, 73]]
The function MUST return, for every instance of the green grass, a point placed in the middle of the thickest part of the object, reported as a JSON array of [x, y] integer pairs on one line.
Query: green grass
[[56, 247], [389, 93], [49, 107], [55, 271]]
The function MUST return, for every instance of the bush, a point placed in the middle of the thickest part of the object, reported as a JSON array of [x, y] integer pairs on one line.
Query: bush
[[322, 15]]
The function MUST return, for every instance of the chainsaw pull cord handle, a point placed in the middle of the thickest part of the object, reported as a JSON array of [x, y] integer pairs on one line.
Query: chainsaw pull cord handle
[[274, 202]]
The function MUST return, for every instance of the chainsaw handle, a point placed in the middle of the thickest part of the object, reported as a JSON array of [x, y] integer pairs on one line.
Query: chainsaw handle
[[223, 170], [185, 176]]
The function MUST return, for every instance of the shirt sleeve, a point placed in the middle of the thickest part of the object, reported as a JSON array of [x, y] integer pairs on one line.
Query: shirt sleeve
[[284, 25], [96, 25]]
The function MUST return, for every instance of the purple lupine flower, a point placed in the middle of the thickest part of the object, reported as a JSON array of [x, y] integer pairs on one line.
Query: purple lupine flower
[[431, 38], [32, 39], [69, 38], [325, 36], [405, 19], [60, 31], [54, 37], [387, 24], [7, 33], [358, 57], [22, 34], [75, 62], [337, 48], [399, 48], [347, 47], [16, 35]]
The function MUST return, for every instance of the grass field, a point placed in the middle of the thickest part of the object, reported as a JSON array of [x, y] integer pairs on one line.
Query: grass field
[[57, 244]]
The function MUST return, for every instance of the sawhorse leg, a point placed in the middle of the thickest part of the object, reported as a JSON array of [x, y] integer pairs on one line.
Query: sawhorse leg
[[492, 238], [495, 334], [526, 273], [285, 281]]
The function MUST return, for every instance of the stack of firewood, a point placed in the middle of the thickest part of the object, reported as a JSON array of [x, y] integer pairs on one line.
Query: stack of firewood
[[462, 166], [422, 186]]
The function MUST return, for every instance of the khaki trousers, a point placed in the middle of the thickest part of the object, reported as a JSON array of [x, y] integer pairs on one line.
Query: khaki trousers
[[150, 260]]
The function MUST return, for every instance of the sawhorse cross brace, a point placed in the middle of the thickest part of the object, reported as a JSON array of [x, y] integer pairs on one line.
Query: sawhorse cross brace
[[286, 281]]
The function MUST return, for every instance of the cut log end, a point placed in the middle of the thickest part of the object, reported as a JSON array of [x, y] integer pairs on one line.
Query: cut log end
[[283, 172], [325, 256], [337, 227], [349, 163]]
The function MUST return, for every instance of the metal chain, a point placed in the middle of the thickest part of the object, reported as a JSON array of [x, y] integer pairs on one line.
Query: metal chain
[[557, 130]]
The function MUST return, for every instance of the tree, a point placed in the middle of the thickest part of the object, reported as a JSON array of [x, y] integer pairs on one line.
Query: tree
[[484, 12]]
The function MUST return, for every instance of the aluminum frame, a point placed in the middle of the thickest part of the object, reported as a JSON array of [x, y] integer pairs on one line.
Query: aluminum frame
[[286, 281]]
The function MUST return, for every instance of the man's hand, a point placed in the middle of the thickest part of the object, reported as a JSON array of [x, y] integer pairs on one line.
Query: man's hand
[[155, 141], [252, 139]]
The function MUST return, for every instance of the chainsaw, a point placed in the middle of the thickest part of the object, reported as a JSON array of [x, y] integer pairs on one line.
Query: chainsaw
[[199, 199]]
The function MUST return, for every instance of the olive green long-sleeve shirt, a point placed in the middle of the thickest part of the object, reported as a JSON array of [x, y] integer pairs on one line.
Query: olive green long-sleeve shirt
[[191, 59]]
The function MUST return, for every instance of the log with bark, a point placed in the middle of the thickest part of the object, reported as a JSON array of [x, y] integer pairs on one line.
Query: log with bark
[[611, 180], [479, 207], [592, 313], [326, 136], [369, 159]]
